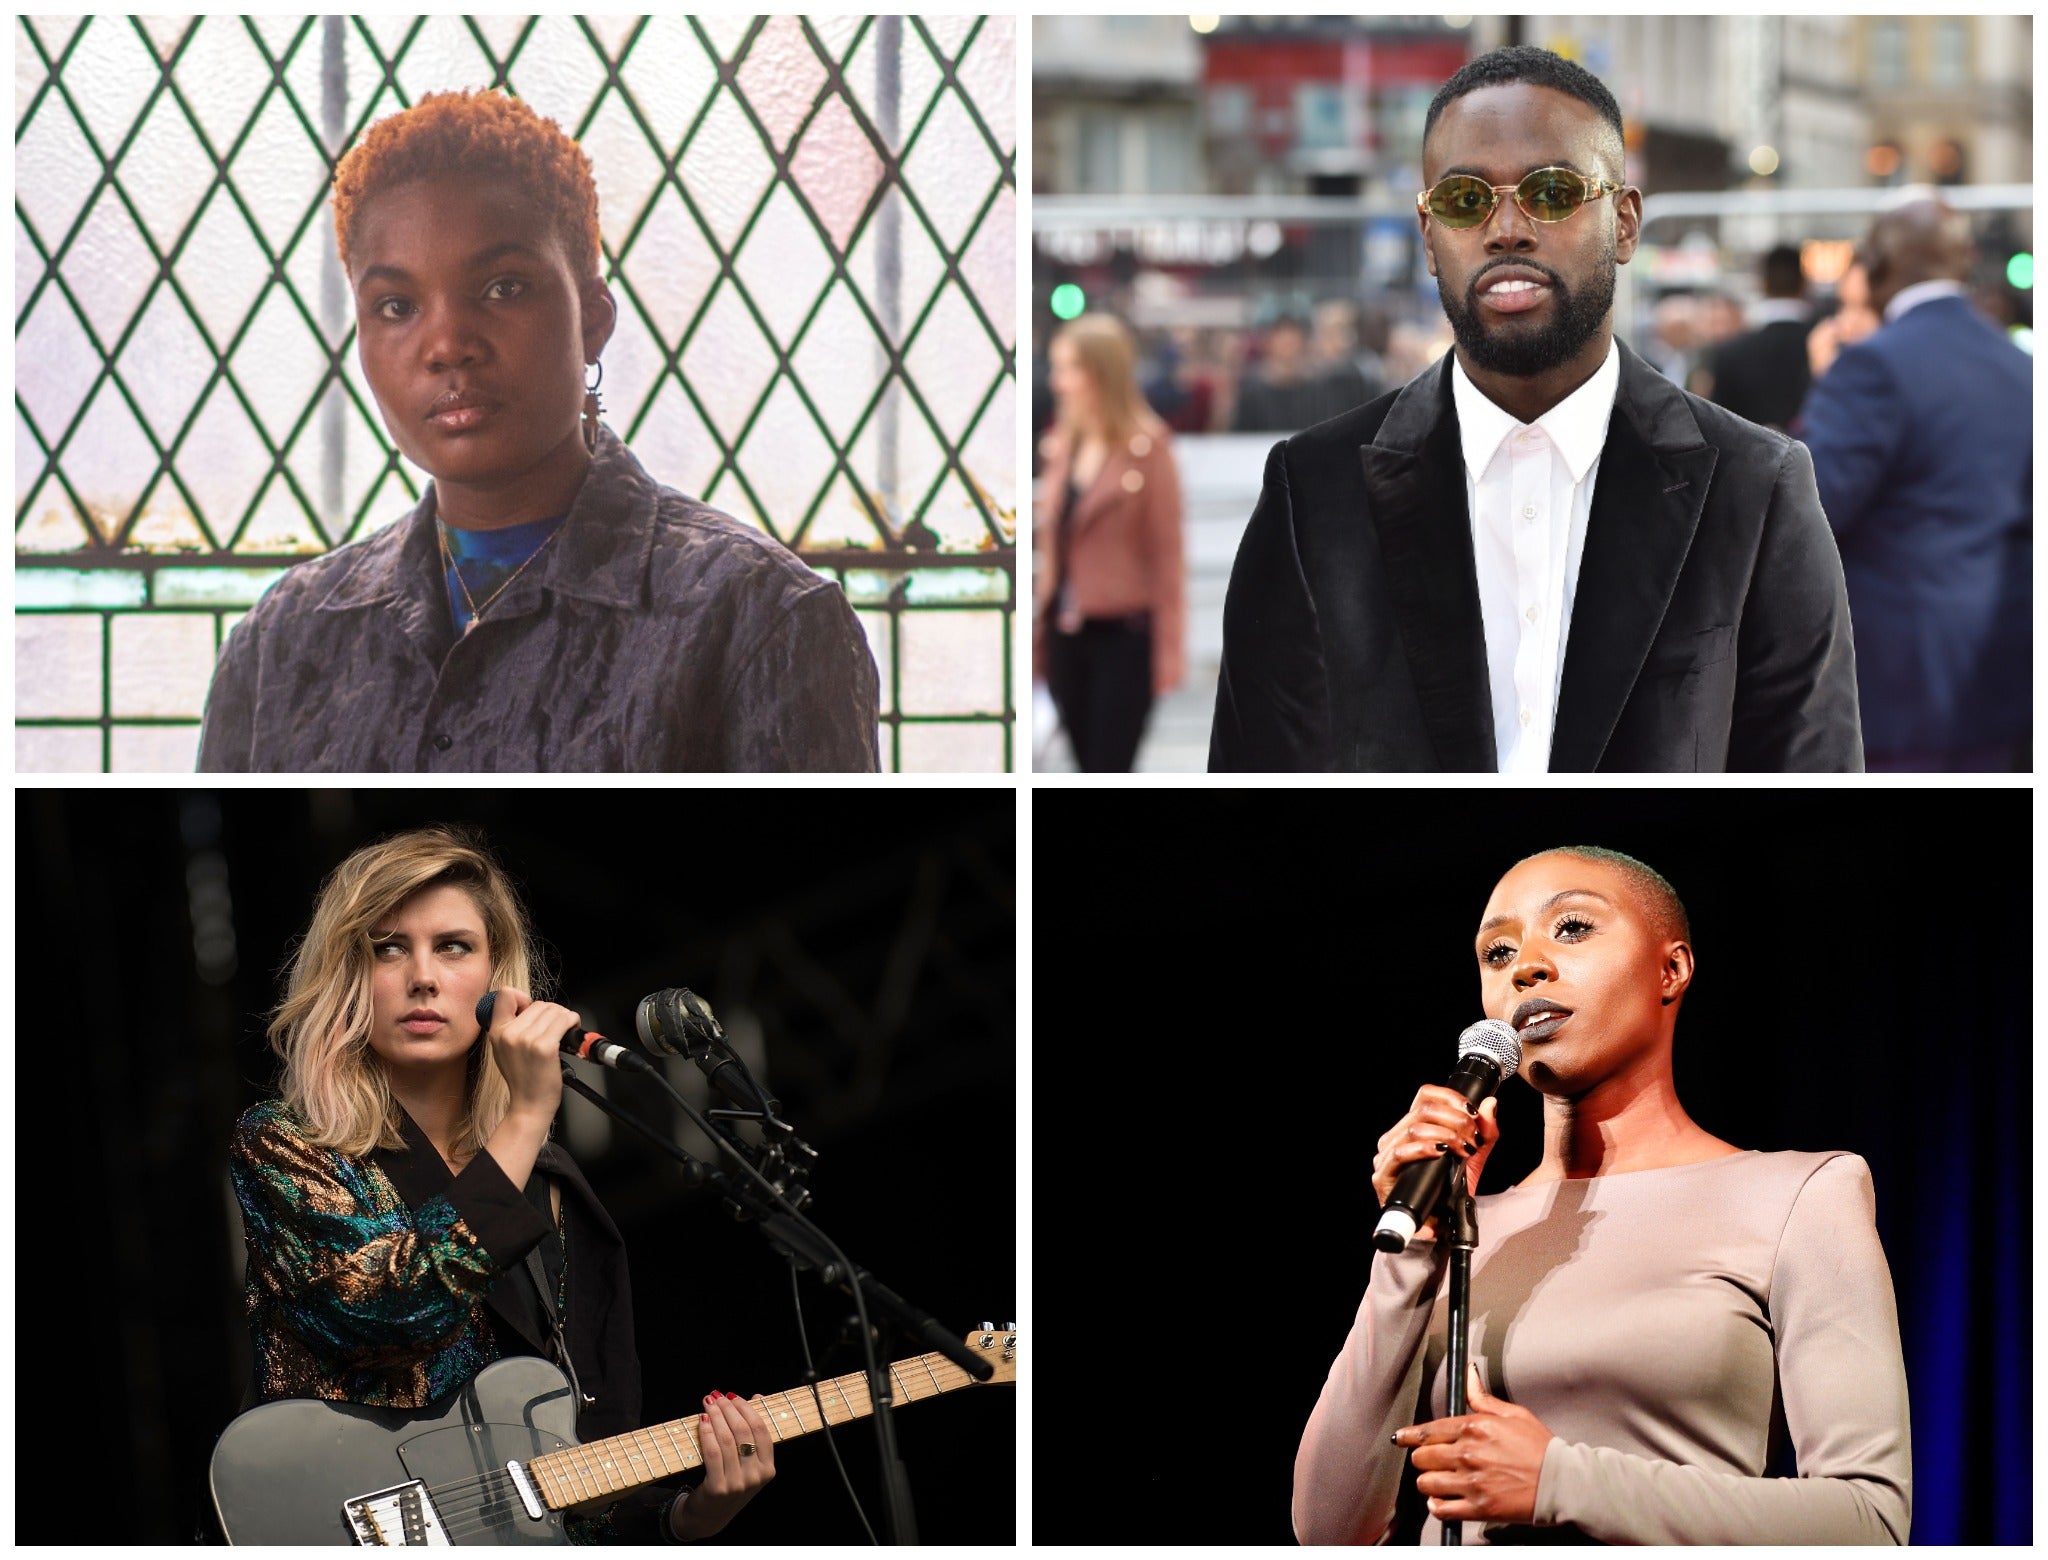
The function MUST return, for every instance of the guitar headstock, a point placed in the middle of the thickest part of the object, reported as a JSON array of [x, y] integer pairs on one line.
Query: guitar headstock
[[998, 1345]]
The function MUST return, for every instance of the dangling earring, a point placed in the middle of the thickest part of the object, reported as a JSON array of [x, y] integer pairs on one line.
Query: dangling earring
[[593, 408]]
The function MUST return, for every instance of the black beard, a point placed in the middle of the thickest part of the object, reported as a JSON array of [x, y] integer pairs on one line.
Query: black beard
[[1521, 353]]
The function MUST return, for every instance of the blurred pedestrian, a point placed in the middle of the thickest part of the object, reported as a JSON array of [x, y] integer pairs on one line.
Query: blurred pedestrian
[[1194, 400], [1290, 391], [1852, 320], [1434, 581], [1922, 442], [1762, 373], [1413, 349], [1673, 336], [1111, 626], [1716, 318], [1338, 359]]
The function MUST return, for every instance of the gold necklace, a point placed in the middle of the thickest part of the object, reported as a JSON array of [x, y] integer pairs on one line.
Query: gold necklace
[[448, 562]]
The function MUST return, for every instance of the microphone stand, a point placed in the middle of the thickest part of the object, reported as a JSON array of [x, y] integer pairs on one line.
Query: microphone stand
[[754, 1197], [1460, 1226], [693, 1168]]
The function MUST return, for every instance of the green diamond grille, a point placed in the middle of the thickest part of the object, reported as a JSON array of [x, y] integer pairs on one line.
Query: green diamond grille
[[809, 224]]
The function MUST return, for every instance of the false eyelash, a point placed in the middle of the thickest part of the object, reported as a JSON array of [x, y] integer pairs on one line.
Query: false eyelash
[[1486, 954]]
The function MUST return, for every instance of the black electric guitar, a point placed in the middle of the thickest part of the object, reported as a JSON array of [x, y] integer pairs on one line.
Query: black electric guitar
[[496, 1462]]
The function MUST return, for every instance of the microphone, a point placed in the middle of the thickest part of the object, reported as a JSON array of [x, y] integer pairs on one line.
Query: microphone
[[585, 1044], [1487, 1053], [678, 1022]]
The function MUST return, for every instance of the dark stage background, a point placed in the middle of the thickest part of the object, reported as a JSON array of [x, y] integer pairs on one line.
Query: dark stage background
[[868, 940], [1251, 986]]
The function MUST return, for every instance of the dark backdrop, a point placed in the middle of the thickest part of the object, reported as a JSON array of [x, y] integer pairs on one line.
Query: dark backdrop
[[870, 938], [1250, 987]]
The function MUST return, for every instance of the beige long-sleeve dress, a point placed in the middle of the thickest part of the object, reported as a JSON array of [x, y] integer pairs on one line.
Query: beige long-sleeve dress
[[1678, 1330]]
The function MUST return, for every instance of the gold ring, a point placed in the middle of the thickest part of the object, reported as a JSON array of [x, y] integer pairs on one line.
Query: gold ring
[[746, 1448]]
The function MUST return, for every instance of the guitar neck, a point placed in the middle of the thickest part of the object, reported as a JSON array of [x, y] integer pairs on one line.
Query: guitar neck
[[601, 1470]]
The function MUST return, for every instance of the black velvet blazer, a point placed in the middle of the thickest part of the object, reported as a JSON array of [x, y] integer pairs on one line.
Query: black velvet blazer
[[1710, 630], [653, 634]]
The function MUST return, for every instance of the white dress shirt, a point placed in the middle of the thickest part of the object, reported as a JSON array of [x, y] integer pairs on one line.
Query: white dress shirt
[[1922, 292], [1529, 490]]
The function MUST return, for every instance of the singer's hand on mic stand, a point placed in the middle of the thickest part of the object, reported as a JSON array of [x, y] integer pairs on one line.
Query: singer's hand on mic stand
[[1438, 1123], [1482, 1466]]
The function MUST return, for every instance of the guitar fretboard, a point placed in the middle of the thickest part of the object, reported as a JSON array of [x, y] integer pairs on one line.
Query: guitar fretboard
[[599, 1470]]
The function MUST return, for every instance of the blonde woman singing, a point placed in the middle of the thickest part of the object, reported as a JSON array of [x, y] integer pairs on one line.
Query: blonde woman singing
[[392, 1192]]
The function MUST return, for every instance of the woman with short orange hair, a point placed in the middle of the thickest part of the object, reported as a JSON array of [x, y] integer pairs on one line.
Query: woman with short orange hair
[[548, 605]]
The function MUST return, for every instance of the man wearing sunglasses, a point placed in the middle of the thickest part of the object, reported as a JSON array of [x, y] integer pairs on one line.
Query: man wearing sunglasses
[[1539, 554]]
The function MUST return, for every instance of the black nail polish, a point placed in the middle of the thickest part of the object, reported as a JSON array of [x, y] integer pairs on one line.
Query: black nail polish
[[1443, 1148]]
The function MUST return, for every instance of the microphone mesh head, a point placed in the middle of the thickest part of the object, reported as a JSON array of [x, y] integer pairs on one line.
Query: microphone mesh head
[[653, 1033], [1494, 1039]]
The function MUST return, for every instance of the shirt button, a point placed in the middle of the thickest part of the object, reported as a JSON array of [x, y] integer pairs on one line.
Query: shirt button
[[1525, 716], [444, 742], [1528, 511], [1530, 614]]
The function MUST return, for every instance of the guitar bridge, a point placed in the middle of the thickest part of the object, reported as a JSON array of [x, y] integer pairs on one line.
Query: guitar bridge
[[399, 1515]]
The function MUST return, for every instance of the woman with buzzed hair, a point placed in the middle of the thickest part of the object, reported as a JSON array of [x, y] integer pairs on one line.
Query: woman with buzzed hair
[[548, 605], [1660, 1320]]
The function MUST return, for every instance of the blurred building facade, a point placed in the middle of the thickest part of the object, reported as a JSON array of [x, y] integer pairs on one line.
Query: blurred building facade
[[1951, 98], [1333, 105], [1277, 111], [1116, 106]]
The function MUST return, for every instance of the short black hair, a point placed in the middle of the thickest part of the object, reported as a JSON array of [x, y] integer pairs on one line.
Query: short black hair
[[1537, 67], [1782, 274], [1667, 910]]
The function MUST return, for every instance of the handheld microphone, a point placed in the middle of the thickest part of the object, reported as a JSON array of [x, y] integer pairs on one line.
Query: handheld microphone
[[678, 1022], [1487, 1053], [585, 1044]]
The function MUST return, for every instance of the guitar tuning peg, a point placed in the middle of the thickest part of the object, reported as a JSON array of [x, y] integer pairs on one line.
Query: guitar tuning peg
[[1009, 1327], [986, 1327]]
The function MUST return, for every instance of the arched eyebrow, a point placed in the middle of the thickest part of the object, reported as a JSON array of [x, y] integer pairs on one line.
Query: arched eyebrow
[[458, 934], [1545, 908]]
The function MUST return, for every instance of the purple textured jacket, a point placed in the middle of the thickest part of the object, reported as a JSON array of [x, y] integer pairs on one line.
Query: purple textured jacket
[[653, 634]]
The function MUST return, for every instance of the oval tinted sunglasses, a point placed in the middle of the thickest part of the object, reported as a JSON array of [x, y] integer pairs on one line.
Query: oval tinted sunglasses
[[1547, 195]]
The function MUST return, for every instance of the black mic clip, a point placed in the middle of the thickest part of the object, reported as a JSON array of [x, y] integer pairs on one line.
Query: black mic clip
[[784, 1160], [678, 1022]]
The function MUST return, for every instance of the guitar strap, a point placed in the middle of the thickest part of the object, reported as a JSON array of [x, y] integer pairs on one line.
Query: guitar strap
[[544, 1286]]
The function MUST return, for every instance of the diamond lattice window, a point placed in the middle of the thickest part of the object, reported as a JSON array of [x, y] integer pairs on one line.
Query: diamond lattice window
[[810, 227]]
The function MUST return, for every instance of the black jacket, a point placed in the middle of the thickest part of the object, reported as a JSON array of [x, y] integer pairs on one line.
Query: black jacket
[[450, 1289], [1763, 374], [1710, 630], [653, 634]]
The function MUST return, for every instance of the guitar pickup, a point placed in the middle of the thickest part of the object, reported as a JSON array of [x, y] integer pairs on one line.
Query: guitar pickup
[[399, 1515], [529, 1497]]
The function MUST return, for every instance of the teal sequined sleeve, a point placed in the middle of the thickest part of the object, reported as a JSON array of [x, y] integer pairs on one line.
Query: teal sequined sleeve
[[351, 1295]]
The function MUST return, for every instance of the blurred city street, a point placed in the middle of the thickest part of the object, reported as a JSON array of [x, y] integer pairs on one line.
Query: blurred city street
[[1239, 193]]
